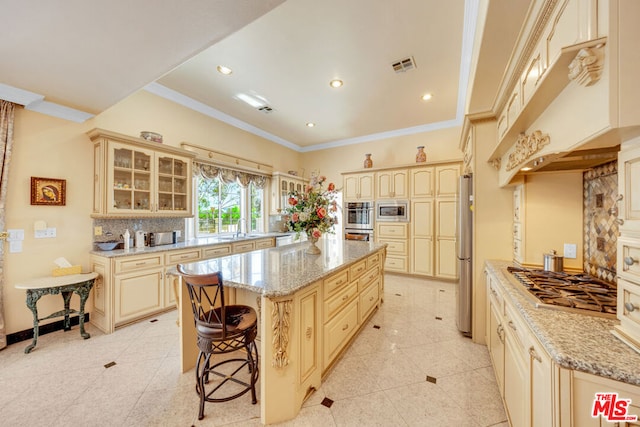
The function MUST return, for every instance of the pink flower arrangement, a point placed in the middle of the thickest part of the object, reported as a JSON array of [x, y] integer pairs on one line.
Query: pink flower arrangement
[[314, 210]]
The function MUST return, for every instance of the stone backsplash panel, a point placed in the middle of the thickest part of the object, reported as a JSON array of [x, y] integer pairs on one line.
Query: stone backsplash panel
[[112, 229], [600, 186]]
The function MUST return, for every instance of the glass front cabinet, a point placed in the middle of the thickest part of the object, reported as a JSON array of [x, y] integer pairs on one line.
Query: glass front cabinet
[[135, 178]]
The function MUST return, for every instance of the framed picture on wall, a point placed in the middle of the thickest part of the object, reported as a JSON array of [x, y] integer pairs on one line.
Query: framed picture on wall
[[48, 191]]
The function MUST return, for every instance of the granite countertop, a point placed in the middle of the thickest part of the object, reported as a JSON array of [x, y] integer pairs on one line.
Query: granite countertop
[[575, 341], [281, 271], [192, 243]]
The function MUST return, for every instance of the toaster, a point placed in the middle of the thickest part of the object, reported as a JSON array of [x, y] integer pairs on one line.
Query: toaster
[[165, 238]]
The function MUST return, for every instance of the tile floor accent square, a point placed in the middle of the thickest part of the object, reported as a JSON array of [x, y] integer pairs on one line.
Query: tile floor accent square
[[327, 402]]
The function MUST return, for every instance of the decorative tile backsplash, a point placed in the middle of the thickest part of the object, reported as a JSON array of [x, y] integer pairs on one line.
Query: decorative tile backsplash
[[600, 186], [112, 229]]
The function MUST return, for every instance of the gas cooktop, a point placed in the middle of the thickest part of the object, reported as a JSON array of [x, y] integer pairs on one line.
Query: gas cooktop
[[572, 292]]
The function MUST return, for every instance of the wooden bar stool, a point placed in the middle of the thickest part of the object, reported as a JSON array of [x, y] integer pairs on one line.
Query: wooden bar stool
[[222, 329]]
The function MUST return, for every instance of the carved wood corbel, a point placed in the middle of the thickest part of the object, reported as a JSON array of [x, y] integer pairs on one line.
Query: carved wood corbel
[[586, 67], [495, 163], [280, 325], [526, 146]]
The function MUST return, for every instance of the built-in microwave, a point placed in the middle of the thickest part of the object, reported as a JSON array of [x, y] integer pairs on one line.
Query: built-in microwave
[[392, 210]]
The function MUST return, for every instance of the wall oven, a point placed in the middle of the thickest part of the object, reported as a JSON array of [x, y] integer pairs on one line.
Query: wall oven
[[358, 215], [392, 210]]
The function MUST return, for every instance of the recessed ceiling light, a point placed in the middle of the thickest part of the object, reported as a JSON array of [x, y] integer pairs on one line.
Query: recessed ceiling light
[[224, 70], [336, 83], [310, 124], [427, 96]]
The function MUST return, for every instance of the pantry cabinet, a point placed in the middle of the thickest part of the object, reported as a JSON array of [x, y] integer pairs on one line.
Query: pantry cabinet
[[138, 178], [422, 236]]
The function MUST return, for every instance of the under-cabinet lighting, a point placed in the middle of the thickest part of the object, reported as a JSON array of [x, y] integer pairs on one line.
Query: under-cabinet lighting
[[526, 168]]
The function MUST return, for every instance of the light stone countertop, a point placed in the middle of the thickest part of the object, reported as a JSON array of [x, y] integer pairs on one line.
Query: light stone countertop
[[277, 272], [192, 243], [574, 341]]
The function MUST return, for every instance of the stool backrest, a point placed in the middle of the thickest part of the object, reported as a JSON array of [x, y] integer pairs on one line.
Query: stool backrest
[[206, 292]]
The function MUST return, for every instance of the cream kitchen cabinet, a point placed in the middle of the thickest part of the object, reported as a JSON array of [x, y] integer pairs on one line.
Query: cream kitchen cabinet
[[396, 236], [282, 185], [359, 186], [172, 259], [421, 182], [446, 238], [392, 184], [422, 236], [307, 305], [137, 178], [447, 180], [523, 368], [628, 244]]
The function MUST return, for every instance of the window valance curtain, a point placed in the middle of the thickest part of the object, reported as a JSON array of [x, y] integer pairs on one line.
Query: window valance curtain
[[226, 175]]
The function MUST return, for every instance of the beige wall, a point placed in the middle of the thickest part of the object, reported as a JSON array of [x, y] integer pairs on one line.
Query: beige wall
[[553, 216]]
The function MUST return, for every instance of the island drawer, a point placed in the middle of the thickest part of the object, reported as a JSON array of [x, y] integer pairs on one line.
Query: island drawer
[[338, 331], [373, 260], [334, 304], [334, 282], [176, 257], [367, 278], [216, 251], [368, 300], [128, 264], [358, 268]]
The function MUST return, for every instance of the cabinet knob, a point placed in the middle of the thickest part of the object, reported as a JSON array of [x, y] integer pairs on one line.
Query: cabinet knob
[[345, 327], [630, 306], [630, 260], [512, 326]]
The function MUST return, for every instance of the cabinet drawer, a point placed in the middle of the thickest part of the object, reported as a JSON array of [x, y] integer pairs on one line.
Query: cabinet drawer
[[334, 282], [629, 298], [264, 243], [629, 264], [357, 269], [373, 260], [242, 247], [395, 231], [338, 331], [495, 296], [368, 300], [333, 305], [396, 264], [128, 264], [398, 247], [176, 257], [516, 328], [368, 277], [216, 251]]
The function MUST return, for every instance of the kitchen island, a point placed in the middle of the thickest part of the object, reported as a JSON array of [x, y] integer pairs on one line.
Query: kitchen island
[[309, 307]]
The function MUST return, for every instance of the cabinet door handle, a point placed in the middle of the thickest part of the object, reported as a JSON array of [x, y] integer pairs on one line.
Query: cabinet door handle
[[630, 260], [346, 297], [512, 326], [345, 327], [630, 306], [534, 354], [500, 331], [141, 263]]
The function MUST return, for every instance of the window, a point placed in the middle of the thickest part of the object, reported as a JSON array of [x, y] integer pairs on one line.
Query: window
[[225, 206]]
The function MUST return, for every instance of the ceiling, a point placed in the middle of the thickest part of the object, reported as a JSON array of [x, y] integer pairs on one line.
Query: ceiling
[[283, 53]]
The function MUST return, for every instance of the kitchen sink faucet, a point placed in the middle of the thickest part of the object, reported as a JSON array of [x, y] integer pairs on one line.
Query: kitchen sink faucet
[[239, 227]]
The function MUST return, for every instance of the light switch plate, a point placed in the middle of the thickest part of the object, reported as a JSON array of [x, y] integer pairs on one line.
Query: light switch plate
[[97, 231], [570, 250]]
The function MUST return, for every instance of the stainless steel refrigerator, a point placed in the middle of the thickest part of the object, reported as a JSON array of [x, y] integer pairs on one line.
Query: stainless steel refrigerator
[[464, 253]]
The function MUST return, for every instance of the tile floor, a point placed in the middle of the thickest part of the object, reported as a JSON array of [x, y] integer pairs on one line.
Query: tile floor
[[380, 380]]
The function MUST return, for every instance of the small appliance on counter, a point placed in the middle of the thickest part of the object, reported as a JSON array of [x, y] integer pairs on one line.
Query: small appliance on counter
[[163, 238], [140, 239]]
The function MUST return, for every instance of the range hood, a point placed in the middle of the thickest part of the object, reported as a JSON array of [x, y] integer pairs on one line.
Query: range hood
[[575, 160]]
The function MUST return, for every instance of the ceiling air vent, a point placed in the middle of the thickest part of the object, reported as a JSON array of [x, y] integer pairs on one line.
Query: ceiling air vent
[[403, 65], [266, 109]]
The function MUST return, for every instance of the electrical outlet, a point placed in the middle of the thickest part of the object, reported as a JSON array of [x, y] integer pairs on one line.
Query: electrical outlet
[[570, 250], [15, 246], [45, 233], [97, 231]]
